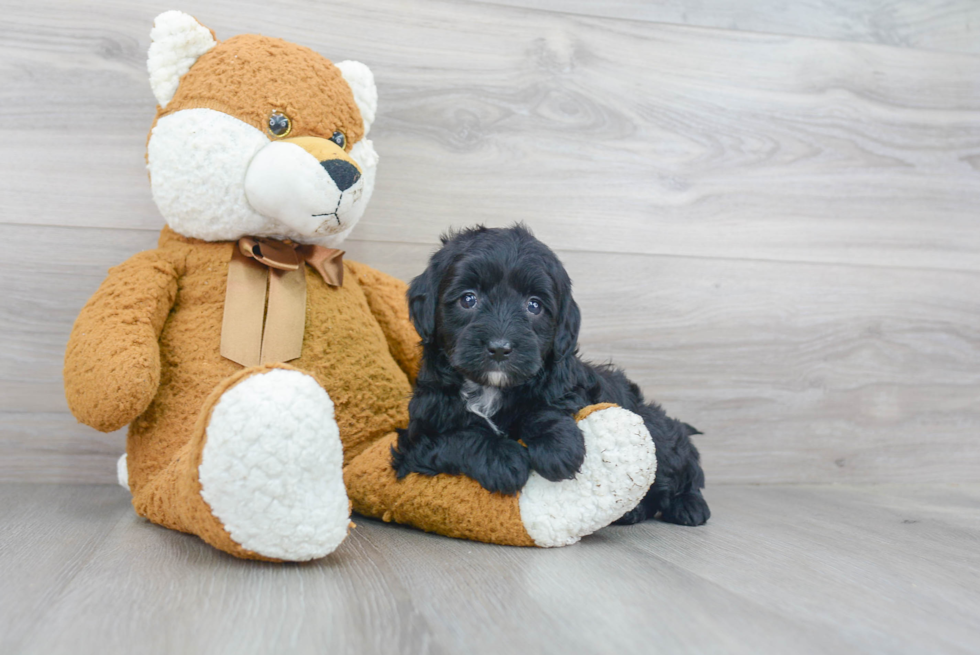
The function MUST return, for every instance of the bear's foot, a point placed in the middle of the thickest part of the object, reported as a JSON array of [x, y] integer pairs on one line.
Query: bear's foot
[[272, 467], [619, 468]]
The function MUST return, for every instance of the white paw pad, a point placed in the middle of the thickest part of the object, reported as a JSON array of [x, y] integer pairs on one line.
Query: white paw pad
[[619, 468], [272, 467]]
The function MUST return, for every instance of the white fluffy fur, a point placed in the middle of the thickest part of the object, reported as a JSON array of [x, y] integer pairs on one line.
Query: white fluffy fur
[[177, 40], [497, 378], [122, 472], [360, 79], [619, 468], [272, 467], [287, 182], [199, 161], [482, 400]]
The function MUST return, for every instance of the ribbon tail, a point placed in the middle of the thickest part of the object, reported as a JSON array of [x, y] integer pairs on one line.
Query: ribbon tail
[[285, 321], [328, 262], [241, 326]]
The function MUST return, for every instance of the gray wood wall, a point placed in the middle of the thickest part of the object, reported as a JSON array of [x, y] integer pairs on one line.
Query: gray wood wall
[[769, 209]]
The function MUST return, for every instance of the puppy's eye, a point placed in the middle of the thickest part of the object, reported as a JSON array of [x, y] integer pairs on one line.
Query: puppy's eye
[[534, 306], [279, 124], [468, 300], [339, 139]]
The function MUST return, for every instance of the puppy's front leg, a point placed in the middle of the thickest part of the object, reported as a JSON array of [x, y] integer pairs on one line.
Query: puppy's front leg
[[499, 464], [554, 443]]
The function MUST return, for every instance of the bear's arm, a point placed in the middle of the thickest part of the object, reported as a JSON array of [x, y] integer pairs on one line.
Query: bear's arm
[[388, 301], [112, 361]]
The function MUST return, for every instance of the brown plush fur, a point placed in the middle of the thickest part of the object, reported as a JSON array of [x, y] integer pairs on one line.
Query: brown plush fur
[[359, 345], [240, 78], [452, 505], [172, 497]]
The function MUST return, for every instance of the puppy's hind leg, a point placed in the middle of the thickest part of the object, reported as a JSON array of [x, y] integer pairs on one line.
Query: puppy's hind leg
[[689, 508], [676, 494]]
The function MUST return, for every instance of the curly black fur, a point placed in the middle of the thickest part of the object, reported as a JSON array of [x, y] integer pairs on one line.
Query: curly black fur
[[496, 371]]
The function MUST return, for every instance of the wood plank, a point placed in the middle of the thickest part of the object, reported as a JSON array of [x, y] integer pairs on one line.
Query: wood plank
[[944, 25], [795, 372], [54, 447], [158, 591], [777, 569], [49, 534], [890, 569], [394, 590], [593, 597], [675, 140]]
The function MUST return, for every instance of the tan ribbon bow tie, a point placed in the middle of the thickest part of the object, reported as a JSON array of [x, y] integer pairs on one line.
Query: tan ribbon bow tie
[[254, 332]]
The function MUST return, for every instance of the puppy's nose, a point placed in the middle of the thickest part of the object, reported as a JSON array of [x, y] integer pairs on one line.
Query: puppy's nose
[[341, 172], [499, 349]]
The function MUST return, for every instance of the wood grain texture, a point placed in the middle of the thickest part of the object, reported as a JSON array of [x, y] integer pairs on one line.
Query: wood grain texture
[[794, 372], [777, 569], [674, 140], [945, 25], [775, 235]]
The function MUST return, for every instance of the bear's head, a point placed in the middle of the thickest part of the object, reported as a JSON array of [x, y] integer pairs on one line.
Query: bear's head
[[255, 136]]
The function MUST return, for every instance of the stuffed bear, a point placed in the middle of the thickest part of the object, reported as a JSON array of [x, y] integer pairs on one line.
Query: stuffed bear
[[263, 376]]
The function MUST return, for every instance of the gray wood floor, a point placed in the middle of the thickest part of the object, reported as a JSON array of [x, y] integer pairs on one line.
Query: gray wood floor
[[778, 569]]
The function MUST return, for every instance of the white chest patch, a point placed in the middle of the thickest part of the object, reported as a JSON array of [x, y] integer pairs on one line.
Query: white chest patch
[[482, 401]]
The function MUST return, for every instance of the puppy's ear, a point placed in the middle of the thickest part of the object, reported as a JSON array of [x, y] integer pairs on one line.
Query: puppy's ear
[[569, 321], [423, 294], [569, 318]]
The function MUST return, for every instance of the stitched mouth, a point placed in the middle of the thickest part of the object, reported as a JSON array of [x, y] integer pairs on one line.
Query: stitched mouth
[[333, 213]]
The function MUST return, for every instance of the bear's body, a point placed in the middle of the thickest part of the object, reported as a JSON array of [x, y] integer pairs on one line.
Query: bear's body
[[346, 351], [362, 351]]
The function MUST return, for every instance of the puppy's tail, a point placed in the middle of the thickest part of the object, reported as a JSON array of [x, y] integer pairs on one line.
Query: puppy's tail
[[690, 430]]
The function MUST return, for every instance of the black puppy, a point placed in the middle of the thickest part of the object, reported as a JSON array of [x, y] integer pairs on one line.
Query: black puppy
[[499, 333]]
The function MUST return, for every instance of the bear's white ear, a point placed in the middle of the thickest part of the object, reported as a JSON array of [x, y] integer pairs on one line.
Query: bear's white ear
[[360, 79], [177, 40]]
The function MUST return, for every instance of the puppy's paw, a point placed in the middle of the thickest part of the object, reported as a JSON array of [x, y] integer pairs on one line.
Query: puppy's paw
[[557, 453], [635, 515], [686, 509], [408, 457], [506, 468]]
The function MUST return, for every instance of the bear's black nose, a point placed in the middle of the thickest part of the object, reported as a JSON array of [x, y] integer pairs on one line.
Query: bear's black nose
[[343, 173], [499, 349]]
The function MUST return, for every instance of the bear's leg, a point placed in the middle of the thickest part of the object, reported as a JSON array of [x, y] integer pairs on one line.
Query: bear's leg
[[620, 465], [619, 468], [261, 477]]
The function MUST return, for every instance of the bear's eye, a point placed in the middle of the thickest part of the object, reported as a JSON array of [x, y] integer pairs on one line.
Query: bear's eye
[[534, 306], [339, 139], [279, 124], [468, 300]]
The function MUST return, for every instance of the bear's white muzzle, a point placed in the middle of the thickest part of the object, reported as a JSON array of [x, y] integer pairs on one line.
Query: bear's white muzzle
[[309, 184]]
